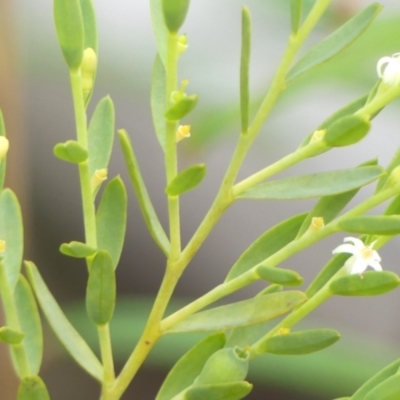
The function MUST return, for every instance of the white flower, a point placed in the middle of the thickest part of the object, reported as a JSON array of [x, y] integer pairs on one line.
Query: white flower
[[362, 256], [389, 69]]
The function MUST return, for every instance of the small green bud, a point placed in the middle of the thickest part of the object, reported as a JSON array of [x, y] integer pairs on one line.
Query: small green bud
[[225, 365], [174, 13], [88, 70], [182, 107], [182, 44], [10, 336]]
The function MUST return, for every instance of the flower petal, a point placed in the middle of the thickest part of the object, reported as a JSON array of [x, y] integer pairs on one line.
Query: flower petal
[[359, 244], [345, 248]]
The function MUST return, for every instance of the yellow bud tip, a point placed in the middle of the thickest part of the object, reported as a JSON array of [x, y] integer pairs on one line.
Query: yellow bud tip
[[316, 224], [88, 69], [283, 331], [183, 132], [317, 135], [4, 146], [99, 176], [182, 44], [2, 246]]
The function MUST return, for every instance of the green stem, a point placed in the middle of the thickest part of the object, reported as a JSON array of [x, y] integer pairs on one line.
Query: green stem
[[13, 322], [171, 159], [106, 355], [150, 336]]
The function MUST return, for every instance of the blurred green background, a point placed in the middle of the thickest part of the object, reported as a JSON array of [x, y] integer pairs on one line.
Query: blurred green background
[[36, 101]]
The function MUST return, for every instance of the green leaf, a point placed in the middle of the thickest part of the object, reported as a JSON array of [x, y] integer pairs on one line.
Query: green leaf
[[11, 231], [66, 333], [330, 206], [89, 25], [160, 31], [29, 319], [348, 109], [101, 135], [146, 206], [77, 249], [326, 273], [3, 161], [386, 390], [267, 244], [284, 277], [271, 289], [101, 289], [186, 180], [11, 336], [230, 364], [347, 131], [158, 105], [372, 225], [111, 219], [244, 68], [314, 185], [174, 13], [70, 30], [303, 342], [336, 42], [296, 7], [182, 107], [189, 366], [246, 312], [32, 388], [71, 151], [225, 391], [378, 378], [371, 283]]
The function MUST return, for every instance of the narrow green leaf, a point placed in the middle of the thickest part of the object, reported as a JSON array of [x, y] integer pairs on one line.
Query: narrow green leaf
[[225, 391], [89, 25], [372, 283], [70, 30], [182, 108], [284, 277], [296, 7], [77, 249], [378, 378], [66, 333], [158, 105], [186, 180], [174, 13], [189, 366], [267, 244], [348, 109], [326, 273], [70, 151], [314, 185], [372, 225], [386, 390], [271, 289], [336, 42], [32, 388], [101, 289], [29, 319], [244, 69], [329, 207], [347, 131], [11, 231], [146, 206], [111, 219], [101, 135], [303, 342], [246, 312], [11, 336], [4, 160], [160, 31]]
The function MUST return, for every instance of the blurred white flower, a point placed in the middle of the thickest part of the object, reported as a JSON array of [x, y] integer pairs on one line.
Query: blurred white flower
[[388, 69], [362, 256]]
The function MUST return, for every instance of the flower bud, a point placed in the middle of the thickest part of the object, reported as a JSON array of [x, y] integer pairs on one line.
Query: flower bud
[[4, 145], [225, 365], [99, 176], [88, 70], [182, 132], [182, 44], [174, 13]]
